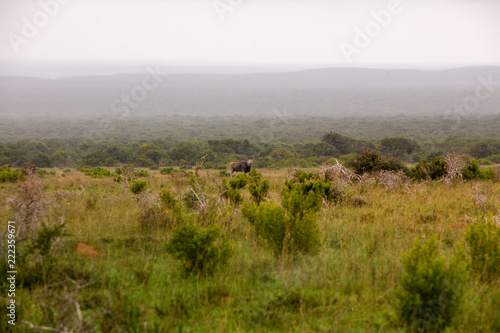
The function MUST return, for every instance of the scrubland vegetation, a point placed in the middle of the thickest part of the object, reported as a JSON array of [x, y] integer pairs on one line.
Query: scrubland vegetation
[[371, 245], [273, 143]]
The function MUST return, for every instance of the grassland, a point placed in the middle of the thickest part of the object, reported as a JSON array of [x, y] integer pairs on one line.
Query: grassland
[[349, 286]]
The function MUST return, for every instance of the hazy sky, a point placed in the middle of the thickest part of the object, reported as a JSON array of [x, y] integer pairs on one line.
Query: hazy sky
[[257, 33]]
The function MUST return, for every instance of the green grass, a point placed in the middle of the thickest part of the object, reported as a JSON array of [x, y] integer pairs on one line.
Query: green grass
[[349, 286]]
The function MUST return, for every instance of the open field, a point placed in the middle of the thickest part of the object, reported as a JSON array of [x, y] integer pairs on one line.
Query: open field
[[349, 285]]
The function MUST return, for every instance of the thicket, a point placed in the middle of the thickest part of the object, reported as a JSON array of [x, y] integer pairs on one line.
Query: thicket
[[164, 153], [291, 228]]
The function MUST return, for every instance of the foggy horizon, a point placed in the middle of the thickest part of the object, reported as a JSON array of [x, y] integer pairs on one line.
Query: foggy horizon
[[53, 38]]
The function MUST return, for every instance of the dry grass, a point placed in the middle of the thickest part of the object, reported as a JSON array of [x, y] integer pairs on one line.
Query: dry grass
[[348, 286]]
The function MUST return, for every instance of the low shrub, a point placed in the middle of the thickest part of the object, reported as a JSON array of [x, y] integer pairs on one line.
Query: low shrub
[[97, 172], [141, 173], [223, 173], [259, 191], [201, 251], [10, 175], [303, 194], [284, 232], [483, 248], [369, 160], [231, 189], [430, 292], [167, 170], [138, 186], [424, 170]]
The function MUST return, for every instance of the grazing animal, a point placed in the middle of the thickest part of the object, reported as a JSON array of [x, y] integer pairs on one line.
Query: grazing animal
[[7, 166], [242, 166]]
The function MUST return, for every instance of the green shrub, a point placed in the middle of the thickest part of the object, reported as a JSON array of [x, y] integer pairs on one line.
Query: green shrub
[[167, 170], [472, 170], [10, 175], [138, 186], [371, 161], [202, 252], [223, 173], [231, 189], [285, 231], [483, 241], [270, 222], [97, 172], [306, 195], [430, 291], [259, 191], [239, 181], [424, 170], [141, 173], [169, 213], [484, 161], [37, 262]]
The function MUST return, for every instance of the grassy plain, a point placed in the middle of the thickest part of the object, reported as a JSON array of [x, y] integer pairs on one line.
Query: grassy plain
[[349, 286]]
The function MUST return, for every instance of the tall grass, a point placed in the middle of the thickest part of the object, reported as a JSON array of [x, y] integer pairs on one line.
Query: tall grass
[[348, 286]]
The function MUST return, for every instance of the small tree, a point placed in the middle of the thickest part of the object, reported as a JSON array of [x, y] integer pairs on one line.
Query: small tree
[[483, 240], [430, 292], [202, 252]]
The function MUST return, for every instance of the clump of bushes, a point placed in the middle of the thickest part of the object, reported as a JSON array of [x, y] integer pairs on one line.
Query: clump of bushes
[[141, 173], [10, 175], [167, 170], [166, 212], [223, 173], [43, 173], [259, 190], [201, 251], [97, 172], [138, 186], [291, 228], [434, 170], [430, 292], [483, 245], [231, 189], [369, 160]]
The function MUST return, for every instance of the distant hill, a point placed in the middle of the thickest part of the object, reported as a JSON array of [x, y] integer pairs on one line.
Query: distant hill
[[329, 91]]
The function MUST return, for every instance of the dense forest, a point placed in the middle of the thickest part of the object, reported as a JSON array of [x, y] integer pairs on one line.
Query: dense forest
[[281, 141]]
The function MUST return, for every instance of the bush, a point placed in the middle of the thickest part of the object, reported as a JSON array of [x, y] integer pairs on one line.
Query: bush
[[484, 161], [168, 213], [282, 231], [223, 173], [258, 188], [291, 227], [9, 175], [231, 189], [430, 292], [202, 252], [483, 242], [141, 173], [138, 186], [167, 170], [259, 191], [98, 172], [37, 260], [424, 170], [302, 194], [238, 182], [270, 222], [371, 161]]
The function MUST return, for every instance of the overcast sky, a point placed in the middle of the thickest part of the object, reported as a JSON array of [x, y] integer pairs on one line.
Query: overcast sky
[[425, 34]]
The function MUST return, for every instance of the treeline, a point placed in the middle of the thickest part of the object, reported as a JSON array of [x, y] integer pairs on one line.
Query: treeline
[[217, 154]]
